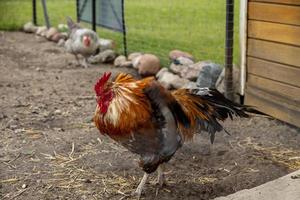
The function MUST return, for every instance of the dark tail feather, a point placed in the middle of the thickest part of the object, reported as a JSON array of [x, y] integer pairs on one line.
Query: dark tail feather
[[223, 109], [250, 109], [71, 24]]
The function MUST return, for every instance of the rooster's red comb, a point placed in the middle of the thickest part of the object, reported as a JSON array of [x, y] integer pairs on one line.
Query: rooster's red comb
[[101, 82]]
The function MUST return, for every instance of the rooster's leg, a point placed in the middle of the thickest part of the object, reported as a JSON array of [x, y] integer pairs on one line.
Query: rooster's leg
[[161, 176], [85, 63], [139, 189], [77, 59]]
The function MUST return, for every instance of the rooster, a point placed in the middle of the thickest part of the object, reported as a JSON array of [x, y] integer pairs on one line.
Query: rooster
[[81, 41], [154, 122]]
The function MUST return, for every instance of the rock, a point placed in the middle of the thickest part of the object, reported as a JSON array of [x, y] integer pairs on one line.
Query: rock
[[51, 32], [126, 64], [136, 62], [106, 56], [61, 43], [30, 27], [189, 72], [148, 65], [161, 72], [208, 75], [179, 83], [62, 28], [166, 79], [41, 30], [66, 35], [170, 80], [106, 44], [192, 71], [183, 61], [190, 85], [177, 69], [119, 61], [174, 54], [134, 55], [220, 86], [58, 36]]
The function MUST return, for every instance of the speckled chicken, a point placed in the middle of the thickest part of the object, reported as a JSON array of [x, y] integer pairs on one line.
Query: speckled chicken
[[153, 122], [82, 41]]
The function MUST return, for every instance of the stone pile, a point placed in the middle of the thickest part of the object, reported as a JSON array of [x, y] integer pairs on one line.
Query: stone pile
[[183, 71]]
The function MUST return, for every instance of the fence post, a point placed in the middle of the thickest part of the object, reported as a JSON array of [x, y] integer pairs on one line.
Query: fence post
[[34, 12], [46, 13], [124, 29], [229, 49], [94, 15], [77, 11]]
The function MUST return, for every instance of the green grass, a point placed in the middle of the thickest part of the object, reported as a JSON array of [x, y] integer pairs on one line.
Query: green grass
[[154, 26]]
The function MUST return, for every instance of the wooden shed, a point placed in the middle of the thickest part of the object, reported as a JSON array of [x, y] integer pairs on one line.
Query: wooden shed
[[272, 58]]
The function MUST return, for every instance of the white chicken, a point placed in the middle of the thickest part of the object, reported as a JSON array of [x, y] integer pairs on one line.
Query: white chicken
[[82, 41]]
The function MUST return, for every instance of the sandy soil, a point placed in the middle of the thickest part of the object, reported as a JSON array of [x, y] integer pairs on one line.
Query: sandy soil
[[50, 149]]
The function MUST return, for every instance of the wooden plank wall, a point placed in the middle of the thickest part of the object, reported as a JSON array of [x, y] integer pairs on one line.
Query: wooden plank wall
[[273, 58]]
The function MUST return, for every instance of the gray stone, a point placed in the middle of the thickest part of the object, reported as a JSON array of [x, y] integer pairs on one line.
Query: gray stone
[[106, 56], [190, 85], [220, 86], [171, 81], [57, 36], [65, 34], [51, 32], [167, 78], [208, 75], [177, 69], [134, 55], [119, 61], [41, 30], [136, 62], [183, 61], [161, 72], [148, 65], [62, 28], [126, 64], [179, 83], [191, 72], [30, 27], [106, 44], [174, 54]]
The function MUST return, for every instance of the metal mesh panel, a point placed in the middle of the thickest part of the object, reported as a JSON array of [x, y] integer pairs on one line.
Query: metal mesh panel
[[153, 26], [108, 13]]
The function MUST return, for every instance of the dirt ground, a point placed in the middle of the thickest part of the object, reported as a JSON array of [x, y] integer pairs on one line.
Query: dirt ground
[[50, 149]]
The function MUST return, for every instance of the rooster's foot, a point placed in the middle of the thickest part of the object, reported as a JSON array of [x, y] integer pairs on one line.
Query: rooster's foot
[[139, 189], [161, 180]]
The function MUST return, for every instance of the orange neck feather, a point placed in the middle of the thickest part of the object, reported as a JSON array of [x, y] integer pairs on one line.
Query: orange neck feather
[[129, 108]]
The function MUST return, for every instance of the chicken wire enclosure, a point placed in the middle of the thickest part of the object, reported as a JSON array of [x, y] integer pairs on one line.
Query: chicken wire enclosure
[[105, 13], [108, 13], [159, 26]]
